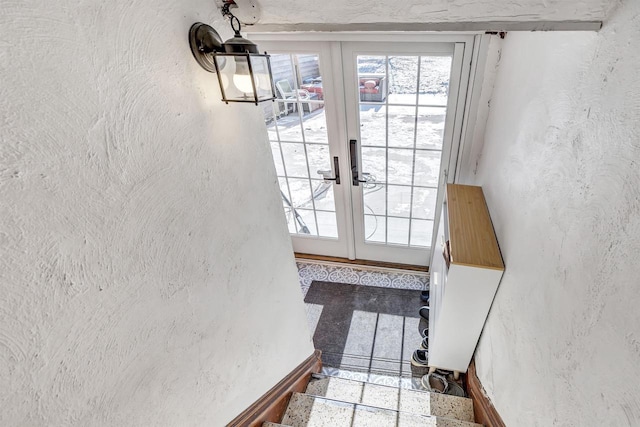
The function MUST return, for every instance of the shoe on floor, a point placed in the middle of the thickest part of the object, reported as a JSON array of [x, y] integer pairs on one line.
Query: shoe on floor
[[425, 343], [419, 358], [424, 312], [424, 296], [435, 383], [454, 389]]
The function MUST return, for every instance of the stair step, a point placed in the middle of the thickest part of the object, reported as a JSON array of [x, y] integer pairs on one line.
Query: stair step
[[388, 380], [388, 397], [312, 411]]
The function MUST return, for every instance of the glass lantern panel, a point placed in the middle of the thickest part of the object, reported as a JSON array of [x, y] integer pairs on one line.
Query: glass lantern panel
[[262, 78], [236, 77]]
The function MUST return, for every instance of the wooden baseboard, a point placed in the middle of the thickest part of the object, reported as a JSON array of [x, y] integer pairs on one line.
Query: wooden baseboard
[[421, 268], [272, 405], [484, 411]]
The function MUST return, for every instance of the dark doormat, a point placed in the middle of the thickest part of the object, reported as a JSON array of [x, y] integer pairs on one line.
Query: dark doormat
[[366, 328]]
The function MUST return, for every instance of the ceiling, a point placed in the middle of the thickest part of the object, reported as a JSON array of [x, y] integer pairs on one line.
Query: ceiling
[[284, 12]]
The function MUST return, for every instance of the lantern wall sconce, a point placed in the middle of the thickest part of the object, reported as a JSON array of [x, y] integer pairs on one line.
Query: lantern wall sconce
[[244, 74]]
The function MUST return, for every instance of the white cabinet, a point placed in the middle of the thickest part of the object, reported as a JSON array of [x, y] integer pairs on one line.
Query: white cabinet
[[462, 293]]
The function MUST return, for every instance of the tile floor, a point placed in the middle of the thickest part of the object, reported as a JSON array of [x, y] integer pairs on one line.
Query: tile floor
[[398, 337]]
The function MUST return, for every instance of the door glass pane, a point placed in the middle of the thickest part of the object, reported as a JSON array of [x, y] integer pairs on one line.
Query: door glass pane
[[399, 200], [435, 72], [297, 130], [400, 166], [374, 164], [430, 129], [291, 222], [314, 123], [300, 193], [373, 125], [421, 232], [289, 126], [327, 225], [286, 203], [402, 126], [277, 158], [375, 199], [375, 228], [270, 114], [402, 113], [372, 78], [403, 79], [294, 159], [398, 231], [318, 156], [424, 202], [323, 195], [427, 168], [307, 224]]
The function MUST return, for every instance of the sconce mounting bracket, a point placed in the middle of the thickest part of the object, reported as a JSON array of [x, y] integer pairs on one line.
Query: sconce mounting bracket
[[204, 41]]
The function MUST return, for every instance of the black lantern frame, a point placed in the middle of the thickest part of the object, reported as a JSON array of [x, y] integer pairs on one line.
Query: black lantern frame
[[213, 55]]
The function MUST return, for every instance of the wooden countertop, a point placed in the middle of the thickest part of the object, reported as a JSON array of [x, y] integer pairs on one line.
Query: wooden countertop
[[472, 238]]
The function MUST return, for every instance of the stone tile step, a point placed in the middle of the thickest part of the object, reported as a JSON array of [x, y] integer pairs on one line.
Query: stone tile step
[[403, 381], [388, 397], [312, 411]]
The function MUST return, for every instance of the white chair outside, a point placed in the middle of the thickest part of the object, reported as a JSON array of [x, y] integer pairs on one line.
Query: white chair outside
[[287, 92]]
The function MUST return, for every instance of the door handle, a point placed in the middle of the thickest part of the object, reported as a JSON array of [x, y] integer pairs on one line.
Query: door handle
[[353, 153], [336, 166]]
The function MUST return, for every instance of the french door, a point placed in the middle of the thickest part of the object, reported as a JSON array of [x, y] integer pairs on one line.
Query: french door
[[362, 135], [305, 131]]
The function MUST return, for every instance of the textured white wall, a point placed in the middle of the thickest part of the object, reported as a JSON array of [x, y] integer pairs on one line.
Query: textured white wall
[[371, 11], [561, 172], [146, 273]]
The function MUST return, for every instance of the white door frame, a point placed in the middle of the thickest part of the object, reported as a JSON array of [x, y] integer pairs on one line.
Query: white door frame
[[469, 81]]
